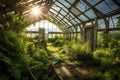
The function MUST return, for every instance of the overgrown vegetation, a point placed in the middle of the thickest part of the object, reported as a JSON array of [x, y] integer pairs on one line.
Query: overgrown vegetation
[[20, 55], [104, 61]]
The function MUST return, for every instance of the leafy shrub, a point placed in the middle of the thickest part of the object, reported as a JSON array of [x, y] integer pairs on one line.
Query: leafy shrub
[[40, 55], [16, 52], [106, 58], [105, 39], [11, 55], [78, 51], [115, 48], [102, 54], [84, 52], [52, 40], [58, 42], [95, 76]]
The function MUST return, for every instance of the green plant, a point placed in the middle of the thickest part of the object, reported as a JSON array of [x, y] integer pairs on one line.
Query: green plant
[[58, 42], [40, 55], [95, 75], [102, 54], [115, 48]]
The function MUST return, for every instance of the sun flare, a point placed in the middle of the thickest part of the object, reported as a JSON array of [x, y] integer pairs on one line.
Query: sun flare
[[35, 11]]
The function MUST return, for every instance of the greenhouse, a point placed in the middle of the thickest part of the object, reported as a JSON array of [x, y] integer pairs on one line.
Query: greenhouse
[[59, 39]]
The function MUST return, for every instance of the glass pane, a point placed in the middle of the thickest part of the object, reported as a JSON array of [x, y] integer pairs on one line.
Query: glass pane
[[56, 8], [58, 18], [115, 20], [77, 20], [65, 25], [63, 12], [90, 14], [58, 4], [70, 24], [54, 0], [105, 6], [73, 29], [49, 27], [111, 4], [53, 11], [111, 25], [101, 24], [75, 11], [81, 6], [93, 2], [65, 9], [78, 28], [59, 15], [72, 15], [65, 3], [68, 17], [61, 7], [66, 21], [74, 22], [83, 18], [71, 1]]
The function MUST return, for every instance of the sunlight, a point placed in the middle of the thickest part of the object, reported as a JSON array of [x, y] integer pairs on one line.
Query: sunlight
[[35, 10]]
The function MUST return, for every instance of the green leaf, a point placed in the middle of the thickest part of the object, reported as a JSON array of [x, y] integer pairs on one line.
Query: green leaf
[[15, 72], [6, 60]]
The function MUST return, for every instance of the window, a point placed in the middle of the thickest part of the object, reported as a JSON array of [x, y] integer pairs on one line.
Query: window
[[71, 1], [74, 11], [81, 6], [105, 6], [63, 12], [77, 20], [93, 2], [90, 14], [66, 4], [83, 18]]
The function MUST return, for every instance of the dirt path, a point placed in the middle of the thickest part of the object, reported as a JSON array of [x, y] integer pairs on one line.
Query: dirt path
[[68, 70]]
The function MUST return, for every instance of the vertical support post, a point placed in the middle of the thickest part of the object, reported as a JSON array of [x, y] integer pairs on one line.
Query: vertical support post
[[67, 35], [83, 35], [70, 36], [107, 25], [76, 34], [107, 29], [96, 32]]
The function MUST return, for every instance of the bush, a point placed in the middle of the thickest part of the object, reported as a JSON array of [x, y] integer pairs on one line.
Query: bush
[[95, 76], [102, 54], [78, 51], [58, 42], [84, 52], [115, 48], [40, 55], [106, 58]]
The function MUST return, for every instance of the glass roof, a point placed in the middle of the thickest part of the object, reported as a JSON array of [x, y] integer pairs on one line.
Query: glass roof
[[106, 7], [76, 12], [71, 1]]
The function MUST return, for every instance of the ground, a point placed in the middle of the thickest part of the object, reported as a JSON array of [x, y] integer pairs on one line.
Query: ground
[[65, 68]]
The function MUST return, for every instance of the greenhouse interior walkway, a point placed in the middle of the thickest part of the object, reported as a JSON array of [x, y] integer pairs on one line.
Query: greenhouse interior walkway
[[67, 69], [59, 39]]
